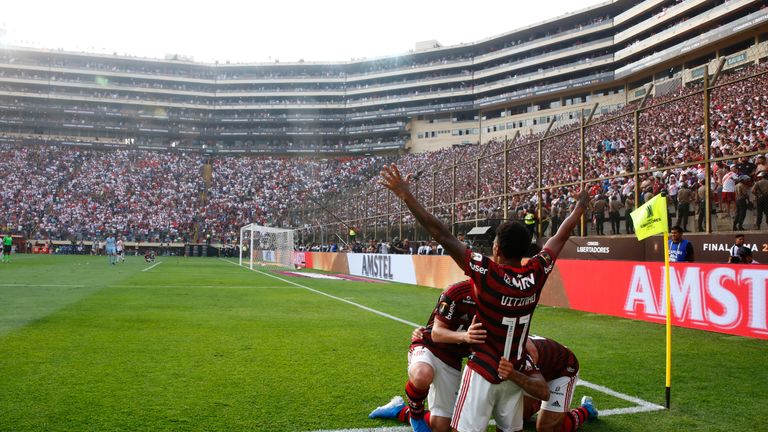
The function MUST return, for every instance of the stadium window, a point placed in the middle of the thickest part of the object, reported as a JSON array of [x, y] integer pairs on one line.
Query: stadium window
[[455, 132], [420, 135]]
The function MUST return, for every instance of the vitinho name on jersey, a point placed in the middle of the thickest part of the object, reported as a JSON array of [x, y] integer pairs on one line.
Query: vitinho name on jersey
[[518, 301]]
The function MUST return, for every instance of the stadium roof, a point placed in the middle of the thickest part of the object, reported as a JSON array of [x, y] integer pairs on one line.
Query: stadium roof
[[289, 31]]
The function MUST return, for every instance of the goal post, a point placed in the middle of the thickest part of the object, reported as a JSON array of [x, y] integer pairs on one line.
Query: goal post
[[266, 245]]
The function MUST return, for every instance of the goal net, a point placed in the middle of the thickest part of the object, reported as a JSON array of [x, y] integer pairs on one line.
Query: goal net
[[266, 245]]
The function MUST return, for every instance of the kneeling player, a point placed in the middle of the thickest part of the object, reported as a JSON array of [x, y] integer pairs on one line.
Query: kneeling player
[[149, 256], [434, 368], [560, 368]]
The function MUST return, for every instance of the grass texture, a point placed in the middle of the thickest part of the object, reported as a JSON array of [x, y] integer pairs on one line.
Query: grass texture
[[200, 344]]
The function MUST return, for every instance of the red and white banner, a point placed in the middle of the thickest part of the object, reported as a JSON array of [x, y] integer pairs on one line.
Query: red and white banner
[[723, 298]]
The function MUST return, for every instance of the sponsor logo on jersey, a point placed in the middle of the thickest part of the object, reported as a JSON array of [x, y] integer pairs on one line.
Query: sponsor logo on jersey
[[548, 262], [450, 309], [521, 282], [556, 404], [477, 268], [468, 300], [477, 257]]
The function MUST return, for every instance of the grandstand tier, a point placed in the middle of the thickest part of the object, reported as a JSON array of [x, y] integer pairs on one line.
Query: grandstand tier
[[623, 98]]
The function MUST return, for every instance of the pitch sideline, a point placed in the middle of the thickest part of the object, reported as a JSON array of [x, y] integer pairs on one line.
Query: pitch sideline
[[640, 404]]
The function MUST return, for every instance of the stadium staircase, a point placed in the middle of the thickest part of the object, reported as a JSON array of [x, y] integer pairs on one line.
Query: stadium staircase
[[207, 173]]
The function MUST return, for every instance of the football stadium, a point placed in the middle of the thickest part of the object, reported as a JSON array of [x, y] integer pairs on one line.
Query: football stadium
[[360, 245]]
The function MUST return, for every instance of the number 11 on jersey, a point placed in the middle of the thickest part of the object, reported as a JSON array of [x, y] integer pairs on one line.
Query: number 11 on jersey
[[512, 323]]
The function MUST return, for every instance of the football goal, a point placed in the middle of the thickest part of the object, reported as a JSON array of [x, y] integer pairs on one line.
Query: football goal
[[266, 246]]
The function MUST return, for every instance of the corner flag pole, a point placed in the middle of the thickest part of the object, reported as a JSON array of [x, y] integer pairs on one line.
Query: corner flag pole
[[669, 319], [650, 219]]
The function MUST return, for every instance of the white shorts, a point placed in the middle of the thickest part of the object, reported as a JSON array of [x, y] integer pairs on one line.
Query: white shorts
[[445, 383], [479, 400], [560, 394]]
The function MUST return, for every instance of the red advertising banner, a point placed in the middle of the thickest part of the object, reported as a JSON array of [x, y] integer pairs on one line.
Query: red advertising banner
[[725, 298]]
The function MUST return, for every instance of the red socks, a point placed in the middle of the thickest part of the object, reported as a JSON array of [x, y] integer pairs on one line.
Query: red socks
[[405, 415], [416, 399], [574, 419]]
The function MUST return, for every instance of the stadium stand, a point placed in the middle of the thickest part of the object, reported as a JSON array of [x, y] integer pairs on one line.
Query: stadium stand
[[172, 150]]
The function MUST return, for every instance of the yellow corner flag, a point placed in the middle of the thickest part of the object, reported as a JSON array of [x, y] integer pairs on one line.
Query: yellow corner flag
[[651, 217]]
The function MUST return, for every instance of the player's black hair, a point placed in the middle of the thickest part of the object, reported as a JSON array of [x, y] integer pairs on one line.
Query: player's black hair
[[514, 239], [677, 228], [739, 235]]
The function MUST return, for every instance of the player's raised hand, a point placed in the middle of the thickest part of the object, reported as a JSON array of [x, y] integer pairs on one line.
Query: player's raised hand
[[475, 332], [394, 181], [582, 197]]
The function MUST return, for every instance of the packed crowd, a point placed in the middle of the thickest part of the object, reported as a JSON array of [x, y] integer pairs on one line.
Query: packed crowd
[[70, 193], [671, 144], [141, 195]]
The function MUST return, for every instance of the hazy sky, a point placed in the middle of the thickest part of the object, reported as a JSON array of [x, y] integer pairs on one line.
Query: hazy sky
[[253, 31]]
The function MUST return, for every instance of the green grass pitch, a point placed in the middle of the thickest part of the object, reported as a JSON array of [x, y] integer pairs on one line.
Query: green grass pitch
[[200, 344]]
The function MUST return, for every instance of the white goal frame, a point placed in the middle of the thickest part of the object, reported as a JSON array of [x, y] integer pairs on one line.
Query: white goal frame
[[280, 256]]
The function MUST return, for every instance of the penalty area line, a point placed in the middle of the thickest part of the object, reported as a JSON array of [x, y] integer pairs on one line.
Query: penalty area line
[[377, 312], [152, 266]]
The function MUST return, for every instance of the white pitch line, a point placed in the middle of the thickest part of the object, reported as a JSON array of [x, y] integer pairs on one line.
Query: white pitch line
[[641, 405], [47, 286], [152, 266], [381, 429], [205, 286], [377, 312]]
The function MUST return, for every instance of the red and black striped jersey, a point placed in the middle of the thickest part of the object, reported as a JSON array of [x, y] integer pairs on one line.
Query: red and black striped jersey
[[506, 297], [554, 359], [455, 308]]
